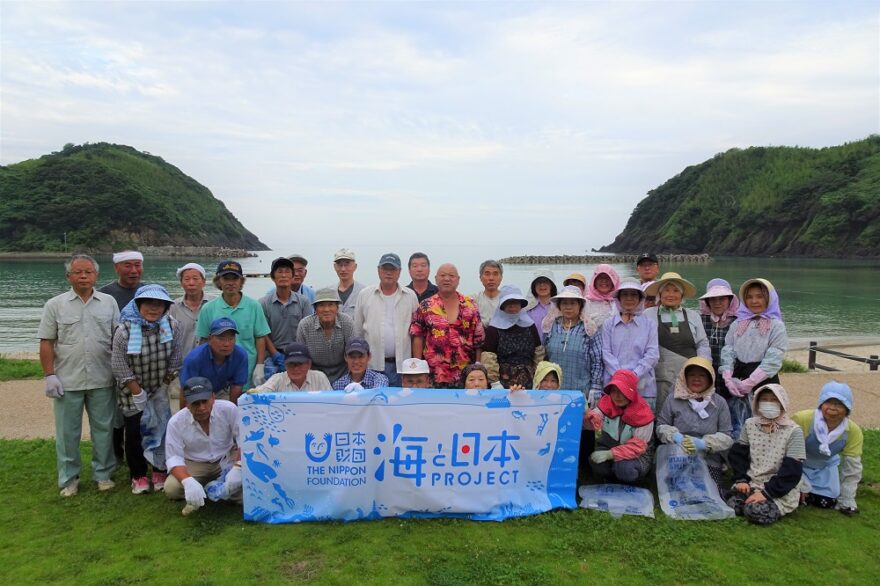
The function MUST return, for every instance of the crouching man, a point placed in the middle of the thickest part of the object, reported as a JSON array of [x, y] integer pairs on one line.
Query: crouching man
[[200, 440]]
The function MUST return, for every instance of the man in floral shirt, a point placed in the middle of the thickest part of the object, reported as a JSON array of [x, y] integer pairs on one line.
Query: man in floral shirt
[[446, 330]]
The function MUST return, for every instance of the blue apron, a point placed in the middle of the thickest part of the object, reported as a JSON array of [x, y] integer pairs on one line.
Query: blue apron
[[822, 470]]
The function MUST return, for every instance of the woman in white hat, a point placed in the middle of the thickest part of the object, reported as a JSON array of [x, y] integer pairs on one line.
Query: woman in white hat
[[512, 347], [571, 346], [680, 331], [718, 311]]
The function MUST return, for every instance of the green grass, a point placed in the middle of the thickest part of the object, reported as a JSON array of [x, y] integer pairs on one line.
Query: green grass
[[18, 369], [789, 365], [119, 538]]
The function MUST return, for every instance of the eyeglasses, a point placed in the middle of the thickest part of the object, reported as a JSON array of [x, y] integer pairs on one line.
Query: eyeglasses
[[82, 272], [299, 271]]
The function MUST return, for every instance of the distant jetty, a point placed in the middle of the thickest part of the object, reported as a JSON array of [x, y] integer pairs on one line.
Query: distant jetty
[[572, 259]]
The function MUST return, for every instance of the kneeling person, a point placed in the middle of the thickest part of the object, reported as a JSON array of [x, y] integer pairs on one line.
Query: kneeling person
[[199, 440]]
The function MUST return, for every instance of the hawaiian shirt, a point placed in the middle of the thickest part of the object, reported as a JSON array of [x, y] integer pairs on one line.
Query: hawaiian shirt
[[449, 347]]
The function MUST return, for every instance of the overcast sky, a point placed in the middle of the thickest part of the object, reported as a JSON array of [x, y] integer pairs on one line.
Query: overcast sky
[[534, 126]]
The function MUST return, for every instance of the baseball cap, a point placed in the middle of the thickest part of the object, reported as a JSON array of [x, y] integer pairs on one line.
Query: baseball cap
[[650, 256], [223, 324], [357, 345], [414, 366], [389, 258], [197, 388], [280, 262], [297, 354], [228, 267], [298, 257], [344, 254]]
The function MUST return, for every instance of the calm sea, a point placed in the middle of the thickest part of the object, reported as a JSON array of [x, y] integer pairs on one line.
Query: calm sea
[[819, 298]]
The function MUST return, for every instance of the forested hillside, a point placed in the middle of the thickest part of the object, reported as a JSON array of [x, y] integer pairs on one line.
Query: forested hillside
[[766, 201], [105, 197]]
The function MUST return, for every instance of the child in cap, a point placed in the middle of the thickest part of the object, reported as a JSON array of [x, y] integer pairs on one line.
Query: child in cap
[[696, 417], [833, 467], [767, 460]]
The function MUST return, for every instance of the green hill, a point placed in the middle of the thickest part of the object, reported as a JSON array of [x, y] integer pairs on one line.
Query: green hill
[[784, 201], [105, 197]]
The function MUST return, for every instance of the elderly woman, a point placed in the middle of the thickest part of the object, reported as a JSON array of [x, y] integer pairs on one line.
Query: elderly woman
[[543, 289], [718, 310], [600, 293], [833, 467], [753, 348], [680, 331], [572, 347], [512, 346], [325, 333], [629, 340], [475, 377], [145, 359]]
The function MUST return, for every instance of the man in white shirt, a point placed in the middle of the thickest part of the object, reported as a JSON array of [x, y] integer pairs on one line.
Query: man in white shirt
[[297, 376], [382, 317], [491, 273], [345, 264], [199, 440]]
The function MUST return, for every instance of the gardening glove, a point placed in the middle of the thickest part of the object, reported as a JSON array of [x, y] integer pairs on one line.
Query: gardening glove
[[601, 456], [754, 379], [193, 492], [352, 387], [677, 438], [593, 397], [259, 376], [278, 359], [233, 481], [139, 400], [269, 369], [54, 390], [693, 444], [731, 383]]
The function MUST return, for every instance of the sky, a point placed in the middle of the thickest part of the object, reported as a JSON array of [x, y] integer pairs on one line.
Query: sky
[[534, 128]]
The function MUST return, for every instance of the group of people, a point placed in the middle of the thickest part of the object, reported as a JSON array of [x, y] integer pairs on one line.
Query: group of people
[[650, 369]]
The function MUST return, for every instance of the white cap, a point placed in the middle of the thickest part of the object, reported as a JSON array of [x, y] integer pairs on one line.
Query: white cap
[[191, 265], [414, 366]]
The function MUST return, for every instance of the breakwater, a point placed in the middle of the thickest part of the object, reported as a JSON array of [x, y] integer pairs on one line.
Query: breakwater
[[195, 251], [573, 259]]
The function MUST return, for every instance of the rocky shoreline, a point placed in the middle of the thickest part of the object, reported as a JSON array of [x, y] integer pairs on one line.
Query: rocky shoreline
[[154, 251], [570, 259]]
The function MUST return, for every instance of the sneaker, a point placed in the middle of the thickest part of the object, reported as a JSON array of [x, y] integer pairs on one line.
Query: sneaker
[[159, 480], [105, 485], [140, 485], [71, 489]]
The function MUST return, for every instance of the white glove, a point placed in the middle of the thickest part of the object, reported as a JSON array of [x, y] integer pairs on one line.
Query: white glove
[[352, 387], [259, 376], [139, 400], [54, 390], [193, 492], [233, 481], [593, 397]]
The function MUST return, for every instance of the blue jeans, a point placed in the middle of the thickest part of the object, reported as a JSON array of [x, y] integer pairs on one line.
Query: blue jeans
[[391, 373]]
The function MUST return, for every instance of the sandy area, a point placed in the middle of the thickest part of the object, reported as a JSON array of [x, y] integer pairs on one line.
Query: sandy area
[[27, 413]]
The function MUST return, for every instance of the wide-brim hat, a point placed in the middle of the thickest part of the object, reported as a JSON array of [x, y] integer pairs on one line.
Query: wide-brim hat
[[654, 288], [568, 292], [763, 282], [511, 293], [718, 290], [153, 291], [629, 285], [326, 294], [576, 277]]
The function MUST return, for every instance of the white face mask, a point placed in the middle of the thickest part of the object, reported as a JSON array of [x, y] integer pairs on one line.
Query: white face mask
[[769, 409]]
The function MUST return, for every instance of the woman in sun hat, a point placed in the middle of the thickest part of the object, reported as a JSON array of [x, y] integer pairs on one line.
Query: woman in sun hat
[[680, 331], [718, 310], [543, 289], [600, 293], [512, 347]]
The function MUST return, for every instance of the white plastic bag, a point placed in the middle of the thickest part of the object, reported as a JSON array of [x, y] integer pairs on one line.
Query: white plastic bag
[[617, 499], [685, 488]]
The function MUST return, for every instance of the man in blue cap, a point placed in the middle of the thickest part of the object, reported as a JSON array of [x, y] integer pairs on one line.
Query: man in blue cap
[[221, 361], [297, 376]]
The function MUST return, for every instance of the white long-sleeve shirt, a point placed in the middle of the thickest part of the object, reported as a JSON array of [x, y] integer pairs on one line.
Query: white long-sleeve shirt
[[186, 440], [370, 324]]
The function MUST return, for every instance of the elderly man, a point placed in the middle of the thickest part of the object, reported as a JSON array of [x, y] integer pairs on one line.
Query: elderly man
[[187, 307], [357, 357], [419, 270], [284, 308], [200, 442], [75, 333], [223, 362], [129, 266], [326, 333], [298, 374], [446, 330], [648, 267], [345, 265], [487, 300], [383, 315], [299, 275], [415, 374], [244, 311]]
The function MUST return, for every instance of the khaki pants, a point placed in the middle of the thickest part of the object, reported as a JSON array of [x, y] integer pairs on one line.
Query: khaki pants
[[204, 472]]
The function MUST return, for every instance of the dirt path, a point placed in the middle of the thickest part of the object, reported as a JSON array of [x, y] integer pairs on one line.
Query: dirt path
[[25, 412]]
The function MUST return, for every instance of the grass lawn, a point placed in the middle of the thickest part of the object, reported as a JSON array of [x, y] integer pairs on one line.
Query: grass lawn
[[118, 538], [18, 369]]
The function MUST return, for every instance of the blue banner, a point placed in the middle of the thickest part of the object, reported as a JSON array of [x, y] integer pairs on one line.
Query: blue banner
[[483, 455]]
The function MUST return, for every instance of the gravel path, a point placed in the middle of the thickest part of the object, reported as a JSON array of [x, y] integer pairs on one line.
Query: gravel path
[[25, 412]]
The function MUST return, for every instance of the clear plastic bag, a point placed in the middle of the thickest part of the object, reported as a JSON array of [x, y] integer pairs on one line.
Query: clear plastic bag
[[617, 499], [685, 488]]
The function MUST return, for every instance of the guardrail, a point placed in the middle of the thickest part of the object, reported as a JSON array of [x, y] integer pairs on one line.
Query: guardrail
[[872, 361]]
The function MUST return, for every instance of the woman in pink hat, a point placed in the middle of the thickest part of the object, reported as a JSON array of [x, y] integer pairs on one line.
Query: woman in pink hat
[[718, 310]]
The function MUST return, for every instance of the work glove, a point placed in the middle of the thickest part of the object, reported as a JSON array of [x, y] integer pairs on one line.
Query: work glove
[[233, 481], [757, 377], [693, 445], [677, 438], [593, 398], [139, 400], [54, 390], [600, 456], [193, 492], [278, 359], [269, 369], [352, 387], [259, 376]]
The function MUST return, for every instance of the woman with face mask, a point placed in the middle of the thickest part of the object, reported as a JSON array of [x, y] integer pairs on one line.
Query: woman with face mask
[[753, 348], [629, 340], [767, 460], [834, 451]]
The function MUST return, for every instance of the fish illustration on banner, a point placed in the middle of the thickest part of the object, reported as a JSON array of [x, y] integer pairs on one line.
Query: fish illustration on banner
[[374, 453]]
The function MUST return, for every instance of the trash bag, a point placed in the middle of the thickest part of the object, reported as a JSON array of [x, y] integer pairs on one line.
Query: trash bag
[[685, 488], [617, 499]]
